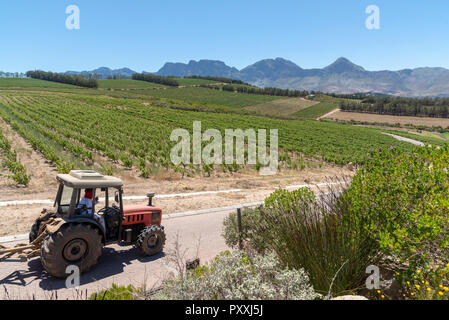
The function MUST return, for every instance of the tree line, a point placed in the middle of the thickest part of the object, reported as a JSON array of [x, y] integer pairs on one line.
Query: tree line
[[63, 78], [168, 81], [261, 91], [218, 79], [422, 107], [355, 96], [12, 74]]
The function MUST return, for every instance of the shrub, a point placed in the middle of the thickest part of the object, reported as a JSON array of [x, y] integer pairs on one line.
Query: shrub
[[126, 160], [64, 166], [315, 234], [249, 234], [118, 293], [107, 170], [401, 200], [237, 276]]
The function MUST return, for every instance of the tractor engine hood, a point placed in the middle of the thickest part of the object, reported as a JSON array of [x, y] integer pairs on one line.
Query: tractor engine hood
[[141, 214], [139, 209]]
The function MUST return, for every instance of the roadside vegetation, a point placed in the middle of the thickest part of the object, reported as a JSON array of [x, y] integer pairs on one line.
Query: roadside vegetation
[[239, 276], [305, 245], [394, 215]]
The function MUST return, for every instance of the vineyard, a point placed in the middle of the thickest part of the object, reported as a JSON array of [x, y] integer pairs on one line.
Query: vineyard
[[127, 84], [9, 160], [104, 133]]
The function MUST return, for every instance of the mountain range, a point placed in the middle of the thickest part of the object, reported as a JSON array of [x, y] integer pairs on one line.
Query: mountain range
[[342, 76]]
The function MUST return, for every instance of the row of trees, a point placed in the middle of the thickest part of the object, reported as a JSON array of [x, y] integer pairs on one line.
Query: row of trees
[[63, 78], [355, 96], [12, 74], [262, 91], [219, 79], [427, 107], [410, 101], [168, 81]]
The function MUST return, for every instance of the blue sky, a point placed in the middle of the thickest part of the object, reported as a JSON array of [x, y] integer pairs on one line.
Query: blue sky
[[144, 34]]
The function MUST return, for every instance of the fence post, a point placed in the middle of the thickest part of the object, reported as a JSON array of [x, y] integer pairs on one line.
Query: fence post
[[239, 226]]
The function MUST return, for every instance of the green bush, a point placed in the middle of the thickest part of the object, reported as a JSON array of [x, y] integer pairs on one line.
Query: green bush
[[118, 293], [238, 276], [260, 242], [249, 234], [318, 235], [401, 200], [64, 166]]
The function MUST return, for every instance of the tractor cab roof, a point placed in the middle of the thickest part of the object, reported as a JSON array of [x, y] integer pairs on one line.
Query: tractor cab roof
[[83, 179]]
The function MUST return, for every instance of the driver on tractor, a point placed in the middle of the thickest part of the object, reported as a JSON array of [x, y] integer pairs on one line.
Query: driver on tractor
[[86, 203]]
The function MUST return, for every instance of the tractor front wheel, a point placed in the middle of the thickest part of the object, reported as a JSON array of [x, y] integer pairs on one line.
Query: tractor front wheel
[[151, 240], [73, 244]]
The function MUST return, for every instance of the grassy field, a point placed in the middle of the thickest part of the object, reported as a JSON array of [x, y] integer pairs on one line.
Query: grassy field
[[204, 95], [378, 118], [316, 110], [25, 83], [193, 82], [127, 84], [282, 107]]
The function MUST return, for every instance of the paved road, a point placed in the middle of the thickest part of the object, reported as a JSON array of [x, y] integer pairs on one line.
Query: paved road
[[121, 265]]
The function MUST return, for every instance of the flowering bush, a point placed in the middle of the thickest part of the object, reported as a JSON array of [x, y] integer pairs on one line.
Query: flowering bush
[[237, 276], [402, 201], [428, 284]]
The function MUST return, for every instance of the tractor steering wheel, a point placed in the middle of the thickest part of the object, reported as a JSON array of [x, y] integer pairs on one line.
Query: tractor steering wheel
[[84, 211], [102, 210]]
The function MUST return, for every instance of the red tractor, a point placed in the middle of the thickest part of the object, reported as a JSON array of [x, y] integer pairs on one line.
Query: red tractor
[[74, 233]]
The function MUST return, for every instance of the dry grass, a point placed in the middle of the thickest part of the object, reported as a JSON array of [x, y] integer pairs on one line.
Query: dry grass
[[378, 118]]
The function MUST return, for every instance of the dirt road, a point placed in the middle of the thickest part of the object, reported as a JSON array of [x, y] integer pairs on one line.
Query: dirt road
[[415, 142], [120, 265]]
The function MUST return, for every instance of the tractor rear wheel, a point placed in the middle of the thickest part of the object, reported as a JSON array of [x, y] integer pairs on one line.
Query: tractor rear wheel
[[73, 244], [34, 230], [151, 240]]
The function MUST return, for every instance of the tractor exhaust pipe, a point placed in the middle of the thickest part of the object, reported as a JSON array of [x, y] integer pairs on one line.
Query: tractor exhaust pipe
[[150, 196]]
